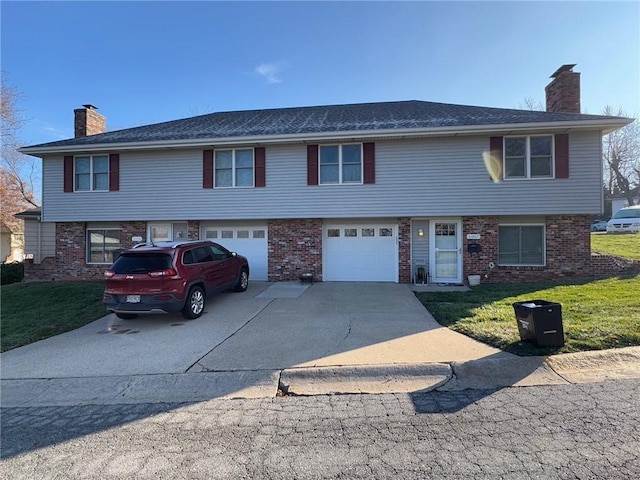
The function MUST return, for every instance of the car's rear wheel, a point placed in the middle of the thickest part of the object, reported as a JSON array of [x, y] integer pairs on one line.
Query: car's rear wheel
[[194, 305], [126, 316], [243, 281]]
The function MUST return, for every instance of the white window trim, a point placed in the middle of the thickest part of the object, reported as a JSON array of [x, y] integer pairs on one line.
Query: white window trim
[[528, 158], [340, 182], [233, 168], [88, 243], [544, 245], [91, 157]]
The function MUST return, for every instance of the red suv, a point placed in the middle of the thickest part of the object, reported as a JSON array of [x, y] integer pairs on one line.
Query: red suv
[[172, 277]]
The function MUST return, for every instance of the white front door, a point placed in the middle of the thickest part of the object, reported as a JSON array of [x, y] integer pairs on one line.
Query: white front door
[[446, 251]]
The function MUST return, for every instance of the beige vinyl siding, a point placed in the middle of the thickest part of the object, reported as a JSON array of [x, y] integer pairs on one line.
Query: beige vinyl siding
[[414, 178], [42, 233]]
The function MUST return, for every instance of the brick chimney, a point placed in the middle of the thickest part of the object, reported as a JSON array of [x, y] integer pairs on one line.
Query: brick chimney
[[88, 121], [563, 93]]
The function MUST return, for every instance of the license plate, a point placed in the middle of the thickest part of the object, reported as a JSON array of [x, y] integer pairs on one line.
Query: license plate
[[133, 298]]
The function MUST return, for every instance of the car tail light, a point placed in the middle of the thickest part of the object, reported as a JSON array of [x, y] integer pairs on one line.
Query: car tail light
[[169, 272], [106, 297], [109, 274]]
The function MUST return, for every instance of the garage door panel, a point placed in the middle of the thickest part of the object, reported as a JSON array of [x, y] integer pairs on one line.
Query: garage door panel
[[249, 241], [360, 253]]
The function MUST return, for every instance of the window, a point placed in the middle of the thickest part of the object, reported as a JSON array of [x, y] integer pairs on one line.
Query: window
[[340, 164], [100, 245], [528, 157], [521, 245], [333, 232], [166, 232], [91, 173], [234, 168]]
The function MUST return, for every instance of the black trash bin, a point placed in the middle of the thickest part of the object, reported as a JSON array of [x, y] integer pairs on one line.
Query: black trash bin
[[540, 322]]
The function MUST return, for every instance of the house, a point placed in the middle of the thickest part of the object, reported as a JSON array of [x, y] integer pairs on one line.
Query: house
[[620, 200], [357, 192], [5, 242], [10, 244]]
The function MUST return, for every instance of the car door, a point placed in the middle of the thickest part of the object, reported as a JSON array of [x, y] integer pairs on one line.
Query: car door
[[210, 268], [228, 264]]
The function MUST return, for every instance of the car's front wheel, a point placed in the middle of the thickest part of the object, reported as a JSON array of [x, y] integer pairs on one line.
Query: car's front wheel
[[194, 306], [243, 281]]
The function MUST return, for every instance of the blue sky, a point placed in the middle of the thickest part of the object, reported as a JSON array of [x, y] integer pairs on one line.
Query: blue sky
[[148, 62]]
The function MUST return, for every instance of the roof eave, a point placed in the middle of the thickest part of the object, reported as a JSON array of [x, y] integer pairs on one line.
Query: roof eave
[[606, 126]]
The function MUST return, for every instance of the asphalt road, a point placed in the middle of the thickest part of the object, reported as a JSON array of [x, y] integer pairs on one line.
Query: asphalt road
[[583, 431]]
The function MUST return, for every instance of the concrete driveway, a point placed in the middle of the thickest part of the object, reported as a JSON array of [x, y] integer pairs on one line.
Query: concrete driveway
[[268, 327]]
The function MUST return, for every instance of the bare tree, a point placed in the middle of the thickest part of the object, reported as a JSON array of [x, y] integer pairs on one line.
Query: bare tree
[[17, 170], [530, 103], [621, 157]]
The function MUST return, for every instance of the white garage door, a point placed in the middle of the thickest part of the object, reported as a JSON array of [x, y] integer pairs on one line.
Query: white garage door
[[360, 252], [250, 241]]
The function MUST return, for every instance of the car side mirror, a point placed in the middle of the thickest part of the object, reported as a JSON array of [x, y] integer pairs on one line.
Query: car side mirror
[[234, 254]]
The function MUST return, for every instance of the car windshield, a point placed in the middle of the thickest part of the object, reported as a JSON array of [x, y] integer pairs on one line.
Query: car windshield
[[141, 262], [628, 213]]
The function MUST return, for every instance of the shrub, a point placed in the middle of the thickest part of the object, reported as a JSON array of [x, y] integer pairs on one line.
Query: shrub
[[11, 273]]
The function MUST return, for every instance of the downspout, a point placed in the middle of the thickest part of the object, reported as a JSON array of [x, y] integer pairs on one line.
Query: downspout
[[39, 240]]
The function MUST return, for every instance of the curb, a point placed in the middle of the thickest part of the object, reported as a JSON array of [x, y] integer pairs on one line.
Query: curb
[[365, 379]]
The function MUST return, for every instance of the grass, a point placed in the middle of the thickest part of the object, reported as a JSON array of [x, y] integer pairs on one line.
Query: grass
[[596, 314], [622, 244], [34, 311]]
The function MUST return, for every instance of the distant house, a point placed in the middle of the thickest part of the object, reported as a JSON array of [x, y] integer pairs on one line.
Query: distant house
[[5, 241], [39, 239], [620, 201], [357, 192]]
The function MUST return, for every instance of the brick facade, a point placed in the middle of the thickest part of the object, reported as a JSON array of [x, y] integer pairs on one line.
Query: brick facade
[[568, 244], [294, 248], [404, 250]]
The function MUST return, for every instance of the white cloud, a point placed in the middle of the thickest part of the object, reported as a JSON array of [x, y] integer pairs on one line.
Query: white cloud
[[271, 72]]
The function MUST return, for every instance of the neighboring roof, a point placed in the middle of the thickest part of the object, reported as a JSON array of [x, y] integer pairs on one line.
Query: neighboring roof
[[387, 117], [31, 213]]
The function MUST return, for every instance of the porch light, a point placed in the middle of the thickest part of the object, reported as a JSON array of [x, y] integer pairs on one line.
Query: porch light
[[421, 232]]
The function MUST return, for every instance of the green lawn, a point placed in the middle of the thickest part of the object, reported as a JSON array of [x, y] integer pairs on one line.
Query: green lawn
[[34, 311], [597, 314], [621, 244]]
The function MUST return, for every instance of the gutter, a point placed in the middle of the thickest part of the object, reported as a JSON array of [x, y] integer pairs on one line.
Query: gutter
[[606, 126]]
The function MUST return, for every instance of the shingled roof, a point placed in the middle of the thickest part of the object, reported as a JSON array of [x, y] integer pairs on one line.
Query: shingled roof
[[362, 117]]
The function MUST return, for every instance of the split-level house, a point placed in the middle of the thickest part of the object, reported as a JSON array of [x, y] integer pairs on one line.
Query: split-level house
[[358, 192]]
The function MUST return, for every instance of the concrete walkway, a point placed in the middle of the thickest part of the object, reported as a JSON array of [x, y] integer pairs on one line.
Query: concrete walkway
[[279, 338]]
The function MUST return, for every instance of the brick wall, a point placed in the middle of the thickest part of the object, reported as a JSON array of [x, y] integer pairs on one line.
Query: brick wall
[[71, 250], [128, 230], [295, 247], [404, 250], [568, 243]]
